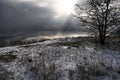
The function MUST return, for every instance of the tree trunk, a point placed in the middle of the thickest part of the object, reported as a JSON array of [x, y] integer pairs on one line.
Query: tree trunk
[[102, 39]]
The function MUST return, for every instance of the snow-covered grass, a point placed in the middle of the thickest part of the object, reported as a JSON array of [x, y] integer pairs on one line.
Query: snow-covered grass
[[60, 59]]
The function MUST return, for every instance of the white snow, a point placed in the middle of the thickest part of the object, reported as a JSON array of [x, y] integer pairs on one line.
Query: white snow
[[64, 58]]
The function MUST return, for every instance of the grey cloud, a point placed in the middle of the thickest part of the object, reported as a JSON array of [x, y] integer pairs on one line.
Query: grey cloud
[[27, 17], [23, 15]]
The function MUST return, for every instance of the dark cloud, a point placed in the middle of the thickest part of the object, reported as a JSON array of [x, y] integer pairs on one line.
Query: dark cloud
[[27, 17]]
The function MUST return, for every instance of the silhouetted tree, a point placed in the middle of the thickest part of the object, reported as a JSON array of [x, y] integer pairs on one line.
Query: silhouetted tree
[[101, 17]]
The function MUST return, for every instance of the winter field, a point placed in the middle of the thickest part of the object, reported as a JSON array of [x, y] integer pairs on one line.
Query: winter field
[[80, 58]]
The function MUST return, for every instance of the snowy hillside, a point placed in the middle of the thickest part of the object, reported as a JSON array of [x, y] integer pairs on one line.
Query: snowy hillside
[[52, 60]]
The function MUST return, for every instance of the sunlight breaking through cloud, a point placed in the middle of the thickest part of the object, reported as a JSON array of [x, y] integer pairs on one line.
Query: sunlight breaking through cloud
[[60, 7]]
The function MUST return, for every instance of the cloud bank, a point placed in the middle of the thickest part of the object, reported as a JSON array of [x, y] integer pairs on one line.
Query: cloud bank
[[32, 16]]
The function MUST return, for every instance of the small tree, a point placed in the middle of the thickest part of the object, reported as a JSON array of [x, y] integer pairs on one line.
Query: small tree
[[102, 17]]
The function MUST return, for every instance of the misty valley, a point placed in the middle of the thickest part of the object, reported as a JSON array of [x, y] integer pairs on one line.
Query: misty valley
[[27, 38]]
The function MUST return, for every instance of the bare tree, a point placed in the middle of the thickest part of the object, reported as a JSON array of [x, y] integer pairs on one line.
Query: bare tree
[[101, 17]]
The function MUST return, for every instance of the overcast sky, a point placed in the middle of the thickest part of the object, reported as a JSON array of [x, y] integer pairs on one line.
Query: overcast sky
[[36, 15]]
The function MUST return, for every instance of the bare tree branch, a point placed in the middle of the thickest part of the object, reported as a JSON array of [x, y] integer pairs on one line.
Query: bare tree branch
[[102, 16]]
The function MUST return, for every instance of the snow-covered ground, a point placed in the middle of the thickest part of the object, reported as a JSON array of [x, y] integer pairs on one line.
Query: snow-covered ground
[[51, 61]]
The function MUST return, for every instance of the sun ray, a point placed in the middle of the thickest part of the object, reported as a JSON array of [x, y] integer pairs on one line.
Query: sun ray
[[62, 8]]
